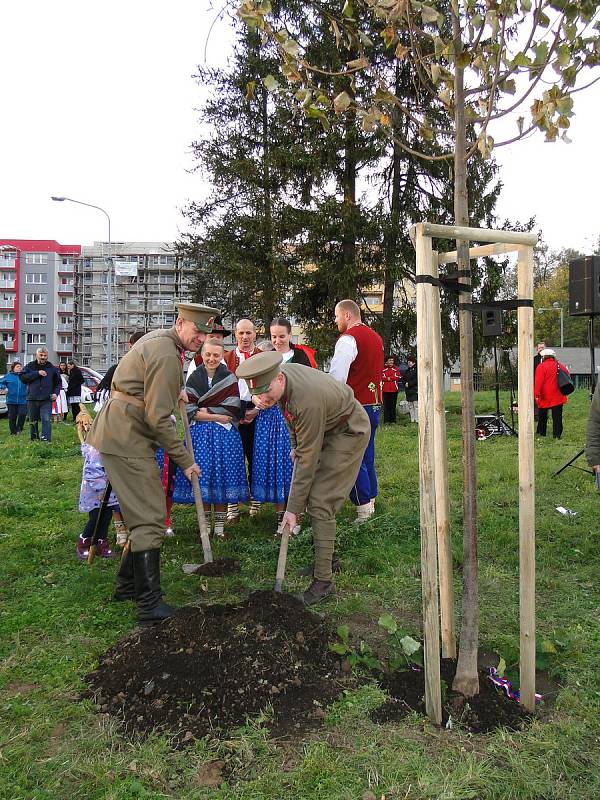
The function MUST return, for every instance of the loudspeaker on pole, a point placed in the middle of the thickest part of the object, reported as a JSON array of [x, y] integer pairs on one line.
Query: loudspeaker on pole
[[584, 286], [492, 322]]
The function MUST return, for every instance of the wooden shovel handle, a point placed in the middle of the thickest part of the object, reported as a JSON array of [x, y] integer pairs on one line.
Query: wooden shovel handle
[[282, 560], [202, 524]]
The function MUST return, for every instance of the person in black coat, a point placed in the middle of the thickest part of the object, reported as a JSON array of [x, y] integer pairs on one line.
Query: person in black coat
[[75, 376], [411, 389], [43, 384]]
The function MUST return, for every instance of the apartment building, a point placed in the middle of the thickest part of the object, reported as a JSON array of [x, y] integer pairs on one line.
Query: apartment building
[[147, 279], [36, 297]]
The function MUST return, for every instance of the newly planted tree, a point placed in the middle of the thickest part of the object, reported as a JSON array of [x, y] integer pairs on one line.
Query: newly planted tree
[[473, 64]]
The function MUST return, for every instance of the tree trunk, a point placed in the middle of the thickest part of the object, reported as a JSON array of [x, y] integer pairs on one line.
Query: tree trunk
[[466, 680], [270, 296], [391, 245], [349, 206]]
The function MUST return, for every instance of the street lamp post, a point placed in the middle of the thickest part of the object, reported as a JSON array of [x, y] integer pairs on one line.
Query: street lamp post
[[109, 326], [557, 307]]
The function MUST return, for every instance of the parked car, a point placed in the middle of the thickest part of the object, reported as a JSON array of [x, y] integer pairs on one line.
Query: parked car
[[91, 379], [3, 406]]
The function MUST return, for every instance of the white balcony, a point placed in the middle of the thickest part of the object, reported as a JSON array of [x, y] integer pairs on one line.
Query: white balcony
[[64, 308], [7, 303], [7, 284], [64, 327], [9, 344], [63, 289], [67, 268]]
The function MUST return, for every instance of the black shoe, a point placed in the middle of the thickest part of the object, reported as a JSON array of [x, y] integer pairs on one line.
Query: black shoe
[[148, 594], [308, 571], [317, 591], [125, 589]]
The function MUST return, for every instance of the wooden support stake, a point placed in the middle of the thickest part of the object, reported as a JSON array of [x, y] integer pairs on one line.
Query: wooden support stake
[[442, 501], [429, 576], [526, 483], [482, 250]]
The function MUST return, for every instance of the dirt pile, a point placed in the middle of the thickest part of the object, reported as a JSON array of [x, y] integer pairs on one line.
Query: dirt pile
[[485, 712], [207, 669]]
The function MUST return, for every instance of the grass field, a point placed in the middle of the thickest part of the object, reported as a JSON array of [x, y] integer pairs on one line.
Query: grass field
[[56, 617]]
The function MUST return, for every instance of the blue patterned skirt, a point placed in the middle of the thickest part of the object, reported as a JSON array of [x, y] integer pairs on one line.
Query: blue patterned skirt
[[271, 462], [219, 454]]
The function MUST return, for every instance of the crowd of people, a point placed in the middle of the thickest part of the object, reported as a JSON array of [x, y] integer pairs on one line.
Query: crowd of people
[[267, 427]]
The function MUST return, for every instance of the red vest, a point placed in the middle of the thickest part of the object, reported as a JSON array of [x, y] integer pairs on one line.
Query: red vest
[[365, 375], [232, 359]]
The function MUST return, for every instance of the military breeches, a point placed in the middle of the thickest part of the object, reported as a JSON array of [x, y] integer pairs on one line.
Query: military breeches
[[340, 460], [137, 484]]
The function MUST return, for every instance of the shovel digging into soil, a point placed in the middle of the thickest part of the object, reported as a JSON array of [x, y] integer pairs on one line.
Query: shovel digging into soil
[[222, 566], [285, 540]]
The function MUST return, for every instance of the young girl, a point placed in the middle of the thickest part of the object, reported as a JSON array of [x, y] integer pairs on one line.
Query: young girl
[[93, 484], [215, 411]]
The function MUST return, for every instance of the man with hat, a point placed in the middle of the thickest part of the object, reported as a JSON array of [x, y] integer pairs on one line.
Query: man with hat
[[131, 425], [329, 430]]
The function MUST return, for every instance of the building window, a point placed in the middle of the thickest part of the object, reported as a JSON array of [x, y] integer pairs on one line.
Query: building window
[[65, 281], [170, 278], [7, 317], [36, 319], [68, 261], [162, 261], [65, 339], [36, 277], [36, 258], [36, 299], [66, 320], [372, 299], [36, 338]]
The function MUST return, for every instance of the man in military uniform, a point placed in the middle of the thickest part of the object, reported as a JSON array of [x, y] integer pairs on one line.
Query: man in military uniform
[[131, 425], [329, 430]]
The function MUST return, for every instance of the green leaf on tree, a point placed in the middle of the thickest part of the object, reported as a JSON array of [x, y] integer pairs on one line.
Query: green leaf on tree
[[565, 106], [271, 83], [520, 60], [429, 14], [347, 10], [341, 102], [291, 47], [563, 55]]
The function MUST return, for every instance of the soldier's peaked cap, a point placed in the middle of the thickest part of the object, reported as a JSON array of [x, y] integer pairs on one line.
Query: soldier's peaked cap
[[203, 317], [260, 370]]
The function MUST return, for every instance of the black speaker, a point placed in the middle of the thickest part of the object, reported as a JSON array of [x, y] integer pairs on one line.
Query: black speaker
[[492, 322], [584, 286]]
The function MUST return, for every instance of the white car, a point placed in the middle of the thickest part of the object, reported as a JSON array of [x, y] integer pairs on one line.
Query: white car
[[91, 381], [3, 406]]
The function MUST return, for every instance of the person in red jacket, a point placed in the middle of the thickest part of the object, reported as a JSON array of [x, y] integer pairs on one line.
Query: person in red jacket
[[547, 394], [391, 376]]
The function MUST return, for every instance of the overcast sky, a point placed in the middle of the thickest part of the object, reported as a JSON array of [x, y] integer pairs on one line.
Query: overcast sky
[[98, 104]]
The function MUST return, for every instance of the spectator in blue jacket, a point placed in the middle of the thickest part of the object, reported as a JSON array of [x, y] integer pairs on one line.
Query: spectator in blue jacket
[[16, 400], [43, 384]]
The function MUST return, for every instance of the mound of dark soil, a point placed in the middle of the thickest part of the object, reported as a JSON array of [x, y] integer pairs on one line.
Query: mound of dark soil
[[208, 668], [218, 567], [485, 712]]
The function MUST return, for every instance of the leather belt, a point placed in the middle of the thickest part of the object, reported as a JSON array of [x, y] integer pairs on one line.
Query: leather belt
[[127, 398]]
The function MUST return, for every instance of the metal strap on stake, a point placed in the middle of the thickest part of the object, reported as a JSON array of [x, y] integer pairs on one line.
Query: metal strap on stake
[[202, 524], [285, 540]]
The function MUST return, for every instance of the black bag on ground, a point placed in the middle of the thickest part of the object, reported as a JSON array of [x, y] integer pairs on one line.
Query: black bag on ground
[[565, 384]]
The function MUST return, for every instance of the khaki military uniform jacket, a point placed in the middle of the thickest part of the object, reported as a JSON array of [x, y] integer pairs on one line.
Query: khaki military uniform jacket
[[152, 372], [592, 446], [315, 407]]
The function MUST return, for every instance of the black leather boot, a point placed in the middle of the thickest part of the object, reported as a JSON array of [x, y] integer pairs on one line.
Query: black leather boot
[[125, 589], [317, 591], [148, 594], [336, 566]]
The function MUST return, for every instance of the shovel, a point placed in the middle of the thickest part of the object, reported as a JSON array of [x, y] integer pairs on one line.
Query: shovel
[[202, 524], [285, 540]]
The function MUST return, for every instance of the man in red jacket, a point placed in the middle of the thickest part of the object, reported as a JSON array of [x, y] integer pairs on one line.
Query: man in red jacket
[[547, 394], [358, 361]]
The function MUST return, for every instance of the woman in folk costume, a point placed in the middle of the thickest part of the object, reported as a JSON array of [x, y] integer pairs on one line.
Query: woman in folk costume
[[215, 411], [271, 462], [60, 407]]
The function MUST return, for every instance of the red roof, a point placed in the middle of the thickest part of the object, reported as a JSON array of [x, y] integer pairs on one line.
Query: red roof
[[43, 246]]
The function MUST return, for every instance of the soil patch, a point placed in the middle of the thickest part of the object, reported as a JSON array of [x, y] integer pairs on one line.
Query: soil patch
[[485, 712], [207, 669], [221, 566]]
